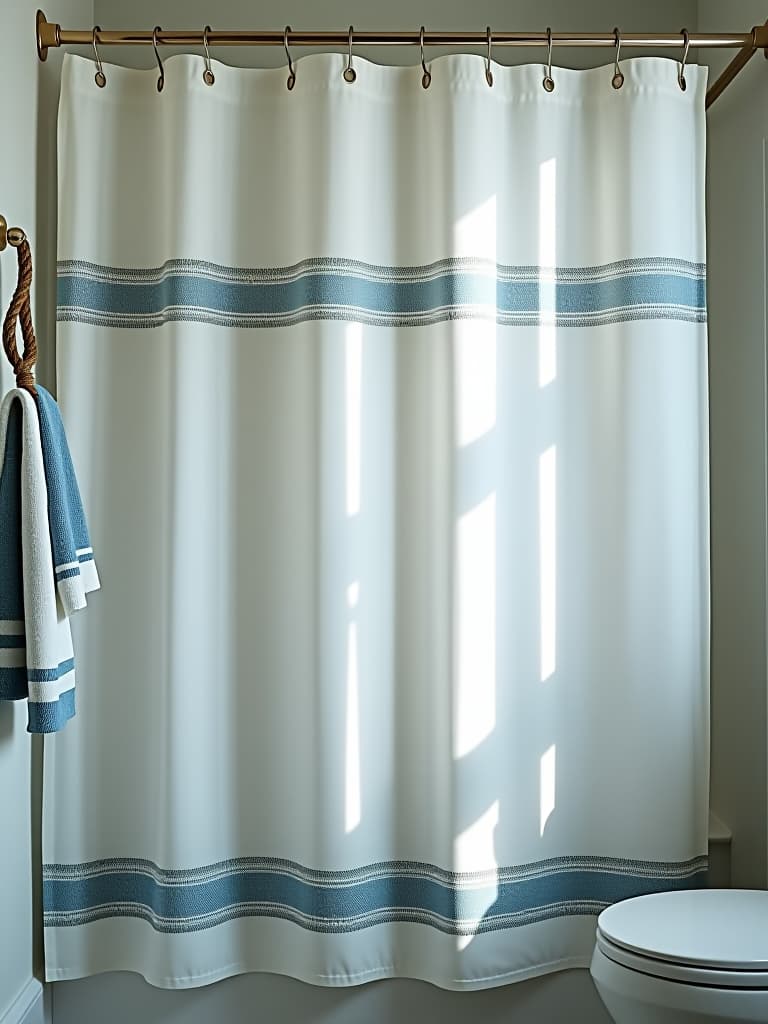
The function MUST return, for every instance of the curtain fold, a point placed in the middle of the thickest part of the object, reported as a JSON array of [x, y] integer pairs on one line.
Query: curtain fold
[[389, 410]]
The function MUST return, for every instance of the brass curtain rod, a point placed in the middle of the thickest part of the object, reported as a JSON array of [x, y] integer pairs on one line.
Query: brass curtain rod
[[51, 34]]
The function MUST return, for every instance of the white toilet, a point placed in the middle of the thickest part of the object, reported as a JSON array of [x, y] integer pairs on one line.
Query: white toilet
[[684, 957]]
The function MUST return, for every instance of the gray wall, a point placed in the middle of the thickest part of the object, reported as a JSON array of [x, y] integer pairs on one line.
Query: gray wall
[[28, 100], [736, 256], [17, 203]]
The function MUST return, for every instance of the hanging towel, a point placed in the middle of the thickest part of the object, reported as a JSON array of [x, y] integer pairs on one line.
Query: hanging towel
[[73, 563], [36, 655]]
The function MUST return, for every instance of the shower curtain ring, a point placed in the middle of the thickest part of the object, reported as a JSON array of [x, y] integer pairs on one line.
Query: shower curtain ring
[[681, 73], [426, 78], [549, 82], [99, 78], [349, 71], [291, 72], [618, 78], [488, 72], [208, 76], [161, 76]]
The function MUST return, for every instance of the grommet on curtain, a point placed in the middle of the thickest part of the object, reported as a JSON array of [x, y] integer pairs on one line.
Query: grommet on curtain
[[161, 76], [99, 78], [549, 82], [208, 76], [488, 72], [681, 72], [291, 72], [426, 78], [618, 78], [349, 71]]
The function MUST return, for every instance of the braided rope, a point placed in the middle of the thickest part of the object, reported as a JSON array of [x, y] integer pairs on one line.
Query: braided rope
[[20, 311]]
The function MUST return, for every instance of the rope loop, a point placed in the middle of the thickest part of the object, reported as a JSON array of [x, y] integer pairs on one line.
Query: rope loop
[[19, 311]]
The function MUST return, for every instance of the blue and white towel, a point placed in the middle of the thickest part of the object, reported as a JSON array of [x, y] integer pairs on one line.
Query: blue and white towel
[[73, 564], [41, 527]]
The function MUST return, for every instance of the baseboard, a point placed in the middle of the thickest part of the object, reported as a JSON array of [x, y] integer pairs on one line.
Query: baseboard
[[27, 1007]]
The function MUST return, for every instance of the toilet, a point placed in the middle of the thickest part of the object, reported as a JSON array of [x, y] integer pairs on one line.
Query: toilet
[[684, 957]]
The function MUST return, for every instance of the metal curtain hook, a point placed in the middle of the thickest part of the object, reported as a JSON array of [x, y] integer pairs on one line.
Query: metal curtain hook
[[291, 72], [426, 78], [208, 76], [549, 82], [618, 78], [161, 76], [100, 78], [681, 73], [488, 72], [349, 71]]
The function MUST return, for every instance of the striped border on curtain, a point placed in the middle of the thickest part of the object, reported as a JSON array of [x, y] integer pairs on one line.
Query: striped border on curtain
[[346, 901], [341, 289]]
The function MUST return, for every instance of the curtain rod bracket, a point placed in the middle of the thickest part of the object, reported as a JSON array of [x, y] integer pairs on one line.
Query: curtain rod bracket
[[46, 33]]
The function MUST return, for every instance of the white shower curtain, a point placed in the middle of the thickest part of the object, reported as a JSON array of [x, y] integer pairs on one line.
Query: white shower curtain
[[389, 411]]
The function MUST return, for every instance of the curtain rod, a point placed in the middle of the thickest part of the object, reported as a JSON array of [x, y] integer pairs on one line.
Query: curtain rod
[[50, 34]]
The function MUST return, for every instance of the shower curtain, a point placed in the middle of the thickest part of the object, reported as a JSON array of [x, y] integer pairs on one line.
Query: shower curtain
[[389, 410]]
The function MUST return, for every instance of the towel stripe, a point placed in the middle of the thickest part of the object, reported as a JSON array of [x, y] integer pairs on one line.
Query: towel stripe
[[11, 626], [82, 556], [14, 657], [69, 569], [7, 641], [347, 901], [51, 675], [13, 680], [65, 574], [336, 289], [52, 715]]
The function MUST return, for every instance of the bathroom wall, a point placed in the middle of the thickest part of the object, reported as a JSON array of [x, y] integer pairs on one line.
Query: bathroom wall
[[736, 256], [568, 996], [27, 198], [18, 988]]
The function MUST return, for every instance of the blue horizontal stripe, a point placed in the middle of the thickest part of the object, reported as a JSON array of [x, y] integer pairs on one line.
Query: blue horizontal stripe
[[346, 905], [65, 574], [251, 297], [12, 641], [74, 570], [13, 683], [50, 675], [50, 716]]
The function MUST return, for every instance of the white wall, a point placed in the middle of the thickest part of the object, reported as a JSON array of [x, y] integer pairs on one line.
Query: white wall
[[27, 181], [569, 996], [736, 256], [17, 203]]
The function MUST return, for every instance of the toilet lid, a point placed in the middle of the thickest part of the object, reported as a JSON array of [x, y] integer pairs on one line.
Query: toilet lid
[[680, 973], [723, 929]]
